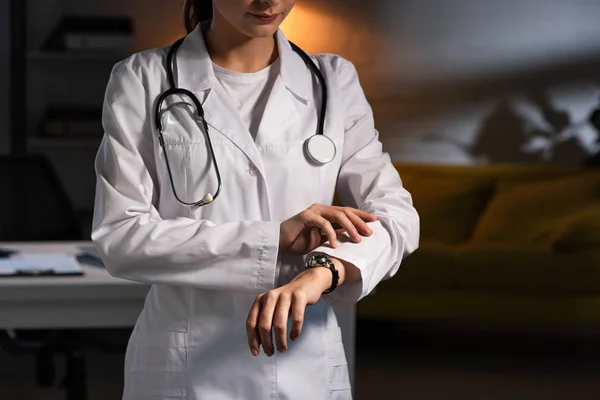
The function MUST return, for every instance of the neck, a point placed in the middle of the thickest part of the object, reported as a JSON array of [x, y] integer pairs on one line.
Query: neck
[[231, 49]]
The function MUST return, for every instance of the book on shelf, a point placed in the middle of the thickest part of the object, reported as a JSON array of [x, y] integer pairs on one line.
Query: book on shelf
[[71, 122], [91, 34]]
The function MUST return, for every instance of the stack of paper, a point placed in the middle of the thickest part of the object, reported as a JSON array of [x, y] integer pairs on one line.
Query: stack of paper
[[37, 264]]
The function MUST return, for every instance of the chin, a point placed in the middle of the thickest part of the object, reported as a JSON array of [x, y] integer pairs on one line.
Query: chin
[[261, 31]]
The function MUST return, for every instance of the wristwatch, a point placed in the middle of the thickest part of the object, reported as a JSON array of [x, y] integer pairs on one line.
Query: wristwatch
[[321, 260]]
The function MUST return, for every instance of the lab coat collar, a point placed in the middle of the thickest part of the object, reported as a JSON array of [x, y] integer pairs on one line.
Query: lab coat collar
[[195, 71], [294, 72], [193, 64]]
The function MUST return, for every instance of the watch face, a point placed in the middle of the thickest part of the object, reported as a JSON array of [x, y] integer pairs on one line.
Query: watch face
[[317, 260]]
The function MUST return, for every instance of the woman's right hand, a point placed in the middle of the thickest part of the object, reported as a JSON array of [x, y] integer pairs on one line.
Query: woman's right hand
[[309, 229]]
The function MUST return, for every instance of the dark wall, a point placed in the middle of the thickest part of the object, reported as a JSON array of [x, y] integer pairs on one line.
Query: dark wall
[[4, 72]]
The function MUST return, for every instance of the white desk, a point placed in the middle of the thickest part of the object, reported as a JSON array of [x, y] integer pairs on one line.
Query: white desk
[[94, 300]]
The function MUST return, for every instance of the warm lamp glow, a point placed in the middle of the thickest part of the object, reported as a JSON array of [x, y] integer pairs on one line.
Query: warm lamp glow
[[319, 31], [315, 31]]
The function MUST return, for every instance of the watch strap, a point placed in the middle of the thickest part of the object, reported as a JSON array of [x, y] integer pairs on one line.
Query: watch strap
[[323, 261]]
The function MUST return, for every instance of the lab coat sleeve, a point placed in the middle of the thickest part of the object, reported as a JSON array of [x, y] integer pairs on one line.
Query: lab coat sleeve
[[135, 242], [368, 180]]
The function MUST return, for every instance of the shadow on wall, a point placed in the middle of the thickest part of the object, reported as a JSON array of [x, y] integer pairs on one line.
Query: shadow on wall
[[507, 136], [543, 125]]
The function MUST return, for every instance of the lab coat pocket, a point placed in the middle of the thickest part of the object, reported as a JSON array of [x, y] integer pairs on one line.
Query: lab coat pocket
[[192, 169], [178, 171], [157, 366], [337, 366]]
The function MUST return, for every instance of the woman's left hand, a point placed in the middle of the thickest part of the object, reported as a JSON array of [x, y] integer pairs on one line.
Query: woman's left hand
[[271, 310]]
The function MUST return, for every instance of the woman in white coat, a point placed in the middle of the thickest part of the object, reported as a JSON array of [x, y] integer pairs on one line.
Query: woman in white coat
[[229, 278]]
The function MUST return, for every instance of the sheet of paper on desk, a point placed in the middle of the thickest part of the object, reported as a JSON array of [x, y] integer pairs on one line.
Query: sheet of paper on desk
[[10, 267], [59, 264]]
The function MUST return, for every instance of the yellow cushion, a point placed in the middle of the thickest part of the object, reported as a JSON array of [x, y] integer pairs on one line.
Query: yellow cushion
[[430, 267], [579, 232], [448, 206], [488, 171], [528, 211]]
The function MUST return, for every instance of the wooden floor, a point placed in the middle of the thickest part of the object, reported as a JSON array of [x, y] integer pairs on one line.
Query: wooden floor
[[413, 364]]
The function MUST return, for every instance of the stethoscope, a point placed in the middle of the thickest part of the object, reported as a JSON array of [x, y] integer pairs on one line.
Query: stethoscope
[[319, 148]]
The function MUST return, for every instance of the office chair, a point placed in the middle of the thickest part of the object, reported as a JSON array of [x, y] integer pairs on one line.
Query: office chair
[[35, 207], [33, 204]]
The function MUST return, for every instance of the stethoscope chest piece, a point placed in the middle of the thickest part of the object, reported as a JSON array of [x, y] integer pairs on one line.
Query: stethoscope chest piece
[[320, 149]]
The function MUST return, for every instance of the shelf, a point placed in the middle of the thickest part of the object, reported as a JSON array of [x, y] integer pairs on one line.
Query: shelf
[[37, 55], [63, 142]]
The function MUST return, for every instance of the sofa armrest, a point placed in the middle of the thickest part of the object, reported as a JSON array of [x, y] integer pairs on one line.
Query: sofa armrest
[[578, 232]]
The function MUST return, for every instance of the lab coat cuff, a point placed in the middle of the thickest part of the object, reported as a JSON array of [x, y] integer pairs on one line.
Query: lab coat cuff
[[268, 250], [347, 294]]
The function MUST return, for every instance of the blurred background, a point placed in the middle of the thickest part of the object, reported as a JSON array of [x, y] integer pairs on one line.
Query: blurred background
[[488, 110]]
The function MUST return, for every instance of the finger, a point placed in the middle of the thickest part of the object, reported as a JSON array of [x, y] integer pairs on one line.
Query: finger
[[318, 221], [340, 232], [265, 321], [358, 222], [251, 326], [341, 218], [317, 238], [282, 313], [298, 306], [323, 239], [365, 216]]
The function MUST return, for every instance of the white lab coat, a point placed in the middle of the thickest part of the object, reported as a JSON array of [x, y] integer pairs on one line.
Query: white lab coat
[[206, 266]]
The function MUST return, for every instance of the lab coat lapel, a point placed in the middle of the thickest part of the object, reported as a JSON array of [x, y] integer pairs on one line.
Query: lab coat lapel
[[280, 111], [194, 71], [291, 92], [221, 115]]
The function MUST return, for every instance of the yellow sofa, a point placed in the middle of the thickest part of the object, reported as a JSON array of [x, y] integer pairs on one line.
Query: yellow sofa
[[500, 244]]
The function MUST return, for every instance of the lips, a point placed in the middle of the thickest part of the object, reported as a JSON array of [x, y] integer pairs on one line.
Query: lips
[[264, 18]]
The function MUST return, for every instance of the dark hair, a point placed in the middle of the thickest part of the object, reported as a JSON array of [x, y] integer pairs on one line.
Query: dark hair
[[196, 11]]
